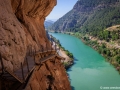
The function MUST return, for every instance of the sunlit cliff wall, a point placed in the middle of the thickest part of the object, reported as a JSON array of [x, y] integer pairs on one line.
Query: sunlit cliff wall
[[22, 25]]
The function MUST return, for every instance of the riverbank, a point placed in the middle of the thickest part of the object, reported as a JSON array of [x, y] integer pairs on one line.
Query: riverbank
[[109, 50], [69, 60]]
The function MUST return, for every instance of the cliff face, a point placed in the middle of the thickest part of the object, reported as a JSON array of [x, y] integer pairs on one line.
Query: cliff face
[[49, 76], [21, 26]]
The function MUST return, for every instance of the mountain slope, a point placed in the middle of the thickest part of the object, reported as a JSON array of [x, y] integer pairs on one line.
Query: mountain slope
[[48, 23], [90, 15]]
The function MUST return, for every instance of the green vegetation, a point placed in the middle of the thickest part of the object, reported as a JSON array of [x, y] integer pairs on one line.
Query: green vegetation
[[61, 47], [107, 35], [112, 54], [69, 54], [102, 19], [67, 64]]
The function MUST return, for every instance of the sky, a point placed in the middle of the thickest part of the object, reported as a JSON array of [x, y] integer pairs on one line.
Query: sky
[[62, 7]]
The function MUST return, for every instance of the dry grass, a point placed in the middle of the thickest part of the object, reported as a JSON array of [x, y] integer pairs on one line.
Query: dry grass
[[114, 28]]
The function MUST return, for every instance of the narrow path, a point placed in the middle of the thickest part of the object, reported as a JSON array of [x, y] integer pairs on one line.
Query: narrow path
[[27, 67]]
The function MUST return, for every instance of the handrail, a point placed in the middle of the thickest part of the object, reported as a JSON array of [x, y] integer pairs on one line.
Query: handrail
[[47, 51], [19, 75]]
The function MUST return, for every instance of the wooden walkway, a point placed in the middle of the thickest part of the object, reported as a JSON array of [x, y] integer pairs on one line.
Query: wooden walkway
[[23, 74], [27, 67], [20, 74], [42, 60]]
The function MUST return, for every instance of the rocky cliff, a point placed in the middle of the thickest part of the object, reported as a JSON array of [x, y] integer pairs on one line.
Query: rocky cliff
[[21, 26]]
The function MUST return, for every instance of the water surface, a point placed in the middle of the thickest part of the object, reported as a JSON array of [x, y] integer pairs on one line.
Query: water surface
[[90, 71]]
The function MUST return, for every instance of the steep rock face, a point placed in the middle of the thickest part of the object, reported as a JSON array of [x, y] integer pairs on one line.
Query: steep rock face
[[21, 26], [49, 76]]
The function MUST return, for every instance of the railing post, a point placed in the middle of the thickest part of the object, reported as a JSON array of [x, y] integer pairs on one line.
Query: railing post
[[34, 50], [29, 49], [27, 65], [34, 58], [22, 71], [34, 54], [2, 63]]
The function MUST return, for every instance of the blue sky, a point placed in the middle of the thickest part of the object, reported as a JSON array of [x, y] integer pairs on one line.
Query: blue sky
[[62, 7]]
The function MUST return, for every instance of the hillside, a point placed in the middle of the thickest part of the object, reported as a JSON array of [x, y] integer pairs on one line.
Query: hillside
[[90, 16], [107, 43]]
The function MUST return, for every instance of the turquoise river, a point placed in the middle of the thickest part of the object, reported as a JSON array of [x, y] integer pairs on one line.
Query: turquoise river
[[90, 70]]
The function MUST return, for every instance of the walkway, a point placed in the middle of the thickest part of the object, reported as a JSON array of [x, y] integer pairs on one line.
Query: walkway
[[29, 64], [23, 74]]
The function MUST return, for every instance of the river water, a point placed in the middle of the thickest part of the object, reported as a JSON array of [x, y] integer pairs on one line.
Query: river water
[[90, 71]]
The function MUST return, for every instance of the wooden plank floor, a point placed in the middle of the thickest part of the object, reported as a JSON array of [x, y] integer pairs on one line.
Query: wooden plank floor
[[17, 75], [26, 72]]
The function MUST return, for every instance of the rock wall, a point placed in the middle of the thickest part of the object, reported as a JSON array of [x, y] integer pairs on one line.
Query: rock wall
[[21, 26], [49, 76]]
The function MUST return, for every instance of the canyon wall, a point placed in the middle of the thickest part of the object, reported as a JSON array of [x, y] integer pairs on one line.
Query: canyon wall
[[21, 26]]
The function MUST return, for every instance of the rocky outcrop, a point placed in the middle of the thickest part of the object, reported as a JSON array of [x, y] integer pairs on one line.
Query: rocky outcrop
[[49, 76], [21, 26]]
